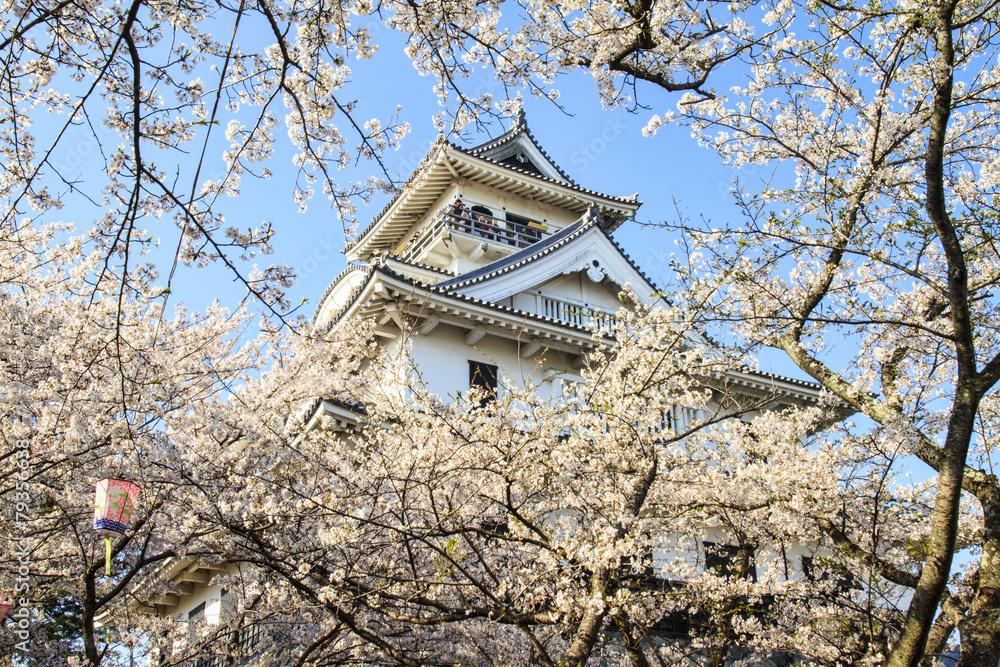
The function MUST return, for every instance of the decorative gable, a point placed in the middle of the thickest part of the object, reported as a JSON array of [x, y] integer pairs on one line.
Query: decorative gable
[[516, 148], [582, 254]]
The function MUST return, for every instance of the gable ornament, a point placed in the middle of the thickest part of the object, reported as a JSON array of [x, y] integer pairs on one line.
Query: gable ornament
[[596, 272]]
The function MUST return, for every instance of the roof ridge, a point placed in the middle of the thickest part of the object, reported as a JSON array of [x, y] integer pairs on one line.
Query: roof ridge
[[511, 131], [522, 257], [520, 126]]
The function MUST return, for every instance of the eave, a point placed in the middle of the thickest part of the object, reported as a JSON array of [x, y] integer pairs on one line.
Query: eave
[[776, 385], [178, 577], [393, 305], [448, 163]]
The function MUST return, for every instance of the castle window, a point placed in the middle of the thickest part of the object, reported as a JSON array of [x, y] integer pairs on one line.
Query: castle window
[[197, 614], [722, 559], [524, 234], [484, 376], [814, 571]]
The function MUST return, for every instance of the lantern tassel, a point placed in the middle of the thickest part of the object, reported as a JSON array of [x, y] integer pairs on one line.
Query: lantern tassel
[[107, 555]]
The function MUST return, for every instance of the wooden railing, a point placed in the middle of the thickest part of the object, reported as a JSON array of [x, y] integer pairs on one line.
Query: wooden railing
[[489, 227]]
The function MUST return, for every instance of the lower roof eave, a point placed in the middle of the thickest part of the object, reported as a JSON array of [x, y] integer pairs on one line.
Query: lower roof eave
[[420, 303]]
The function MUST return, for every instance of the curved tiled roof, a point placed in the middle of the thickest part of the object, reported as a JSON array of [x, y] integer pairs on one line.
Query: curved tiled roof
[[519, 258], [807, 384], [628, 258], [633, 199], [538, 250], [434, 289], [399, 191], [475, 152], [420, 265], [367, 268], [520, 126], [313, 407], [444, 289]]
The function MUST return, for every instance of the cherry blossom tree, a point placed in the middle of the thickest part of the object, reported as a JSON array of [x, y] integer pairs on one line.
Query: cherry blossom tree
[[100, 374], [868, 257], [443, 531], [176, 119], [522, 531], [873, 239], [102, 386]]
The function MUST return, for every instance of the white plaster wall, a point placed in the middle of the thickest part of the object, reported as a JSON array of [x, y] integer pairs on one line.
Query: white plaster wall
[[211, 595], [442, 358], [206, 594]]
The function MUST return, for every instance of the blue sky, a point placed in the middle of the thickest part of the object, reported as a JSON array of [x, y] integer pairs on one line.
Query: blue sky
[[601, 149]]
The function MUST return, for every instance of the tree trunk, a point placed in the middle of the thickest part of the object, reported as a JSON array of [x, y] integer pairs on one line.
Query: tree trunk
[[980, 634], [909, 649], [87, 622], [980, 630]]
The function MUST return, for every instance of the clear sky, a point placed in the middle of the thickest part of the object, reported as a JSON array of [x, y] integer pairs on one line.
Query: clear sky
[[601, 149]]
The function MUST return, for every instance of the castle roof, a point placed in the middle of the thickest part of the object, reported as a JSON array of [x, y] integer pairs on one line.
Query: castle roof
[[513, 162], [503, 149]]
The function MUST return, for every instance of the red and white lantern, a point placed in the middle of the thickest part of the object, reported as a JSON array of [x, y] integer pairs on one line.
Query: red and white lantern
[[113, 505], [5, 605], [112, 511]]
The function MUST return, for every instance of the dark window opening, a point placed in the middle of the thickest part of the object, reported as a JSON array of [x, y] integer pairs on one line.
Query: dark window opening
[[521, 161], [495, 526], [197, 614], [816, 571], [723, 558], [809, 569], [680, 624], [637, 571], [522, 231], [483, 376]]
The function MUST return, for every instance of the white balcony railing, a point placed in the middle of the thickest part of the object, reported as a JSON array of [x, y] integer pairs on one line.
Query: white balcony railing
[[574, 313]]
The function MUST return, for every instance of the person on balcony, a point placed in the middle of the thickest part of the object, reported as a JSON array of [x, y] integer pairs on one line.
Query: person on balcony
[[483, 219]]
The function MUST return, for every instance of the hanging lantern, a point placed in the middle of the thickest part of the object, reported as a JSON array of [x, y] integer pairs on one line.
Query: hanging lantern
[[5, 605], [112, 510]]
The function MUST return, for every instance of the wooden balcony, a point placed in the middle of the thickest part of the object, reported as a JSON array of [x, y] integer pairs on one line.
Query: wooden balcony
[[505, 236]]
